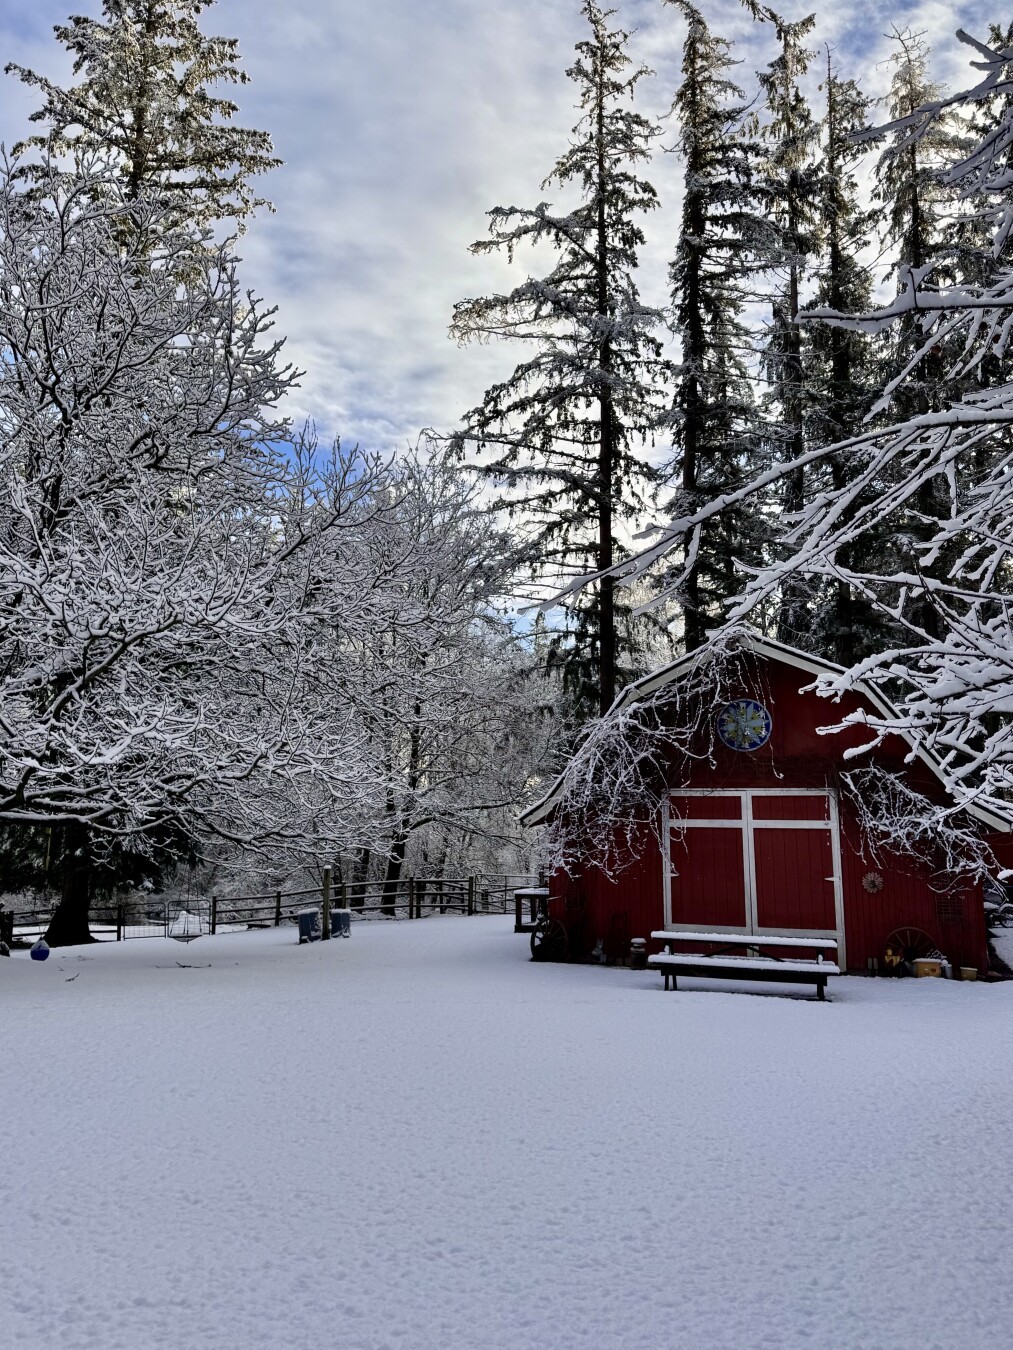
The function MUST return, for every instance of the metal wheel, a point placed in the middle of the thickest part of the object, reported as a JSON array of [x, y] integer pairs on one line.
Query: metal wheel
[[903, 946], [549, 941]]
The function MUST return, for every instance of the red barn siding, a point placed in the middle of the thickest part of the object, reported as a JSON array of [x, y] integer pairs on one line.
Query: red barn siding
[[711, 887], [794, 886], [953, 919], [791, 865], [613, 910], [787, 807], [706, 808]]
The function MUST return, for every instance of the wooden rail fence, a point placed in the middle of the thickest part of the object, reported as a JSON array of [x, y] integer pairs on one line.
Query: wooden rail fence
[[407, 898]]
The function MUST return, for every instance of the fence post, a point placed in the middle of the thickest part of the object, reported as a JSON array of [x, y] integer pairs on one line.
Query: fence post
[[326, 933], [411, 898], [344, 895], [277, 909], [214, 915], [119, 923], [471, 895]]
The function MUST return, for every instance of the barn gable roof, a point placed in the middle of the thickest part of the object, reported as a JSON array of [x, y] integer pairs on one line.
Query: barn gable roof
[[774, 651]]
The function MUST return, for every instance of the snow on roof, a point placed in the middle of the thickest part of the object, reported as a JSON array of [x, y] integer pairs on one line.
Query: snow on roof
[[791, 656]]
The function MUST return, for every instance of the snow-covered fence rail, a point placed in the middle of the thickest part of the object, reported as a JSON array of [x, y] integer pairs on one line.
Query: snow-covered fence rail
[[29, 924], [414, 897], [405, 898], [259, 911], [497, 892]]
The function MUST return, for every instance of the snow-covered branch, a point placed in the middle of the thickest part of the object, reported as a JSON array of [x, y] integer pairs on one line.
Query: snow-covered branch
[[607, 804]]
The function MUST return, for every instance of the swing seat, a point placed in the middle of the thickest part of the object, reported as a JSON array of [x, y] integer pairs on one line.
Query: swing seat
[[187, 926]]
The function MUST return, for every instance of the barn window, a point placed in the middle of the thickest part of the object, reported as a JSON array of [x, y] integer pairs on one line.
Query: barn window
[[950, 909]]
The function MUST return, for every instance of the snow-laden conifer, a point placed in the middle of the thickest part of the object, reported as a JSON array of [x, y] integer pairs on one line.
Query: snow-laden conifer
[[722, 236], [910, 180], [147, 100], [790, 133], [560, 435], [844, 366], [951, 678]]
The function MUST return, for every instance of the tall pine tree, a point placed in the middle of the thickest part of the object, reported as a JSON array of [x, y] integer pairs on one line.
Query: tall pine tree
[[922, 228], [971, 251], [720, 238], [560, 435], [844, 364], [791, 134], [146, 101], [909, 171]]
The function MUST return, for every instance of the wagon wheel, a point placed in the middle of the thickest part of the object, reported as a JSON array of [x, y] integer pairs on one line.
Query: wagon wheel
[[903, 946], [549, 941]]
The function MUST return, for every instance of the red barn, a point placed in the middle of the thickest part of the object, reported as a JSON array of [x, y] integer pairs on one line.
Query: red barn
[[759, 837]]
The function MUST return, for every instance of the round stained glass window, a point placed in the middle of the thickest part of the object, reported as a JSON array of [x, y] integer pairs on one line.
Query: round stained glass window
[[744, 724]]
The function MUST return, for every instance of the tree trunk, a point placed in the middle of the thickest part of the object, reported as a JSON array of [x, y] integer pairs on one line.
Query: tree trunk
[[360, 875], [693, 402], [395, 862], [794, 617], [691, 395], [607, 647], [843, 628], [69, 924], [842, 402]]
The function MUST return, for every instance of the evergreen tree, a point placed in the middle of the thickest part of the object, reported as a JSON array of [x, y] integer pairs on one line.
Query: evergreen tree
[[719, 239], [923, 229], [971, 259], [559, 434], [145, 101], [791, 134], [909, 172], [953, 690], [921, 222], [938, 476], [844, 364]]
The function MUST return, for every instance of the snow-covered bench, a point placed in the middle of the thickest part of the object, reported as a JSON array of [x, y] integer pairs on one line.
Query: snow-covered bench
[[752, 965]]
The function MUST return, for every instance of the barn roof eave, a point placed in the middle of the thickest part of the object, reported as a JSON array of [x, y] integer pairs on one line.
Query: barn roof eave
[[777, 651]]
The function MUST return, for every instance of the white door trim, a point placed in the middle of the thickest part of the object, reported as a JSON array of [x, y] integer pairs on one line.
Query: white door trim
[[666, 862], [748, 825], [749, 858]]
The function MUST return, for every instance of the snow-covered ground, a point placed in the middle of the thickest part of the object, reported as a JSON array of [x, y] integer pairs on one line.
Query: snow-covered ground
[[417, 1139]]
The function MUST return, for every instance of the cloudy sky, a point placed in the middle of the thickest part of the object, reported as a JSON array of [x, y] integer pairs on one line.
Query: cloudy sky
[[401, 122]]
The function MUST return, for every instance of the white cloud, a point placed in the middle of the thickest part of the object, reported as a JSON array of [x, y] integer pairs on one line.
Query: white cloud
[[401, 123]]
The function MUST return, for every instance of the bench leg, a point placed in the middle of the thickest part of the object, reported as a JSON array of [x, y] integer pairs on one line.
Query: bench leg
[[820, 986]]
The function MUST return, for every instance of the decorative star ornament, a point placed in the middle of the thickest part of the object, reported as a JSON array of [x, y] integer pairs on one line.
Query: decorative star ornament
[[744, 724]]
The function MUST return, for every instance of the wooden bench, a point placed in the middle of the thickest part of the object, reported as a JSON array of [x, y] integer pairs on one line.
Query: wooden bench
[[722, 965]]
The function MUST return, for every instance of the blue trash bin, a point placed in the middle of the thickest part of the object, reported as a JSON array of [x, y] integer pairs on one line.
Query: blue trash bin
[[309, 925]]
